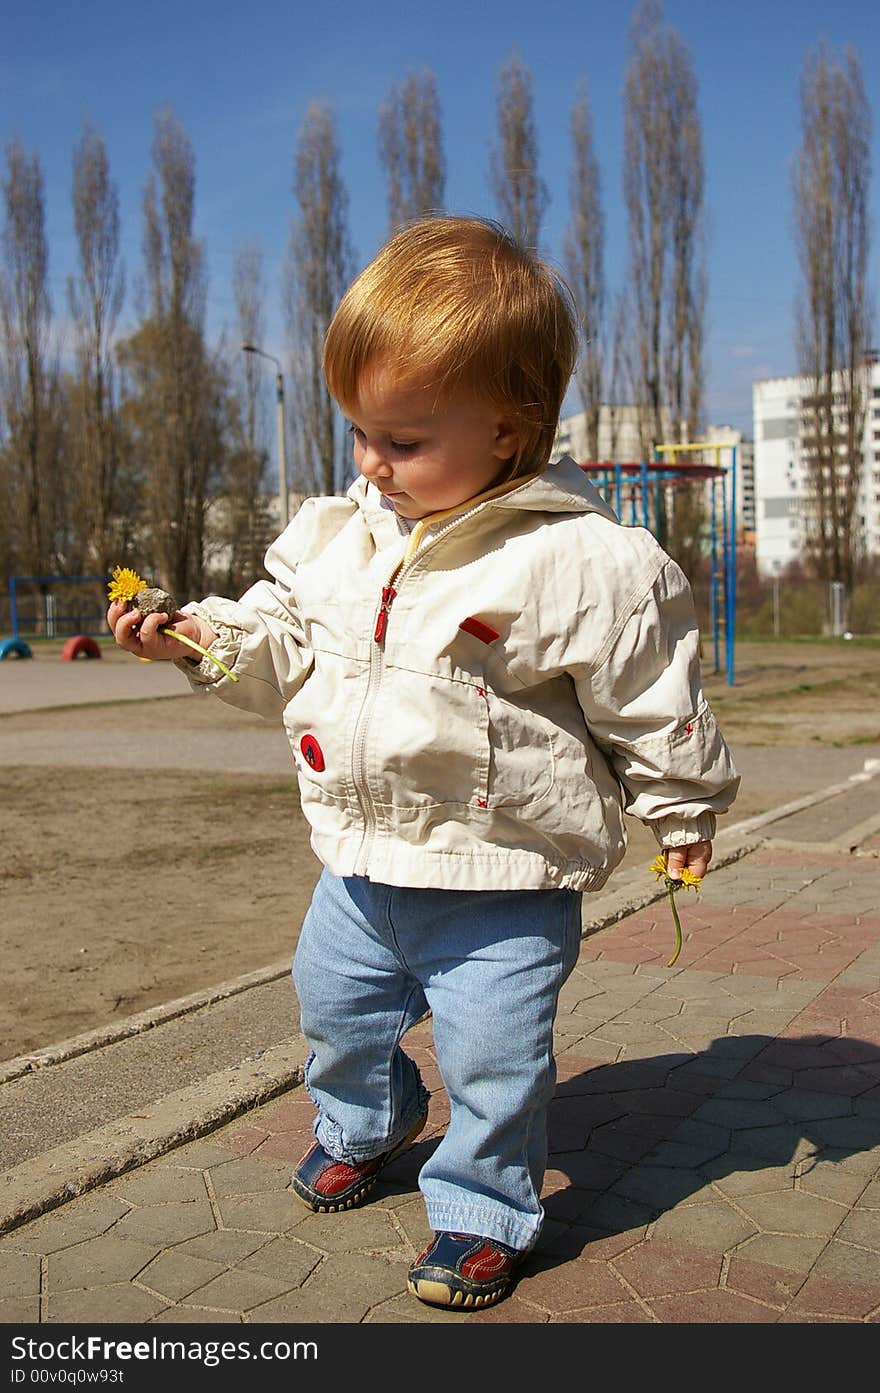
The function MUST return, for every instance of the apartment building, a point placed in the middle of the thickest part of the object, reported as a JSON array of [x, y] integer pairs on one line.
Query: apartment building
[[781, 469], [619, 438]]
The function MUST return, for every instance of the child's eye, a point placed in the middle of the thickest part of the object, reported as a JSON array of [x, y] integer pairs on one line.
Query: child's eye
[[404, 444]]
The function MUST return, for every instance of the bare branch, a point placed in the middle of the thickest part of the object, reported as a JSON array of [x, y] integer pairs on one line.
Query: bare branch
[[95, 295], [519, 192], [831, 180], [663, 188], [249, 290], [583, 246], [30, 425], [411, 149], [319, 267], [244, 529], [175, 406]]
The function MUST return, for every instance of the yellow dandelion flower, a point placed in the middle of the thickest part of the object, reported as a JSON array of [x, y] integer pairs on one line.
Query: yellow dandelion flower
[[658, 865], [689, 880], [686, 880], [125, 584]]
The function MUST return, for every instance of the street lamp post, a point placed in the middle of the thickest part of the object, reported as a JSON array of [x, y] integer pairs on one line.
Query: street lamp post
[[282, 458]]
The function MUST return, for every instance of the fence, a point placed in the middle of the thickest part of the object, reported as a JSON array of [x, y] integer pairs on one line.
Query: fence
[[794, 607], [46, 607]]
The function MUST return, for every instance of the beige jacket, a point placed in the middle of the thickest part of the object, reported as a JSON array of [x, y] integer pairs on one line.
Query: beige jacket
[[474, 705]]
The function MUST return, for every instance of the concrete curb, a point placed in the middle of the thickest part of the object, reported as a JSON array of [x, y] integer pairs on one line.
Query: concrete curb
[[47, 1181], [134, 1025]]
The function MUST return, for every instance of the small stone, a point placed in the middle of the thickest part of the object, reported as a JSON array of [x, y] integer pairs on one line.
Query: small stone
[[155, 601]]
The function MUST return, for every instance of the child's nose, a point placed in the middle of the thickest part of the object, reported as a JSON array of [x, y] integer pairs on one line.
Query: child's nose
[[373, 464]]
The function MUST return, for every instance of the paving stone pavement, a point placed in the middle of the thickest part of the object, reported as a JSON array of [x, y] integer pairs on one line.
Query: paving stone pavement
[[714, 1144]]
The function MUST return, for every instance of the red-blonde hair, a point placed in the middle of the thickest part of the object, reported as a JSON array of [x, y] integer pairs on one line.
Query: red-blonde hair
[[457, 304]]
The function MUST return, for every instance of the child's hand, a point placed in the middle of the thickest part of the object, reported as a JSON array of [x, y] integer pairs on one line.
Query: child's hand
[[695, 857], [141, 634]]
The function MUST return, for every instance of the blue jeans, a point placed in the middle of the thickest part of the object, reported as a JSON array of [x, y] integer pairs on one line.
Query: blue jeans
[[370, 961]]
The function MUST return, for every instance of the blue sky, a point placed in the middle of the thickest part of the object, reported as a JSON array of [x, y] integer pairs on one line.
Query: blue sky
[[240, 77]]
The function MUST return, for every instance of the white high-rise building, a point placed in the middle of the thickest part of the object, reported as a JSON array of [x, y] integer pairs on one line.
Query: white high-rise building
[[619, 438], [782, 470]]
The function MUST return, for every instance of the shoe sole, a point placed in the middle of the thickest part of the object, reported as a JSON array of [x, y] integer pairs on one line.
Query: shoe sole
[[441, 1294], [320, 1206]]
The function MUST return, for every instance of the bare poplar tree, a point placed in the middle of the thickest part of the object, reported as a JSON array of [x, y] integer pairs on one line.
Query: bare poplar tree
[[663, 188], [248, 286], [318, 270], [247, 525], [621, 369], [520, 193], [411, 149], [176, 401], [584, 246], [33, 528], [95, 295], [831, 185]]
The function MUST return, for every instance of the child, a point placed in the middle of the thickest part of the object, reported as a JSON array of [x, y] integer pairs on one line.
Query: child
[[479, 671]]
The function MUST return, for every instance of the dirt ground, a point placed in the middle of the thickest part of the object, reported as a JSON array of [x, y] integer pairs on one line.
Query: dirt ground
[[125, 887]]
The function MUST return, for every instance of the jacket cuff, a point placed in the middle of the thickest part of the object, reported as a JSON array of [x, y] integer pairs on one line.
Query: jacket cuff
[[226, 646], [671, 831]]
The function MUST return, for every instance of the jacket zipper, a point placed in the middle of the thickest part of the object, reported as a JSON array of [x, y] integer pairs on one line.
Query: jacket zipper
[[388, 594], [377, 663], [359, 761]]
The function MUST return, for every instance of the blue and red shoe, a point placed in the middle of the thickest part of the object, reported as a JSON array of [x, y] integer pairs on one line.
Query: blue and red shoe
[[327, 1185], [462, 1269]]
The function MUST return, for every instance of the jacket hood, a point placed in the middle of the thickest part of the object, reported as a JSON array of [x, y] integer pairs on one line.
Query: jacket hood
[[562, 487]]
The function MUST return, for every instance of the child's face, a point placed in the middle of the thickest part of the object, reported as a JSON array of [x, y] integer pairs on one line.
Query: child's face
[[424, 456]]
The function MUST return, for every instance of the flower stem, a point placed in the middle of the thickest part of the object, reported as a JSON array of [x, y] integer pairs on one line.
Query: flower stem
[[677, 949], [197, 648]]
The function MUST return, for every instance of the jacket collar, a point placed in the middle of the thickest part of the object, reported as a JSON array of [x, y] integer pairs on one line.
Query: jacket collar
[[562, 487]]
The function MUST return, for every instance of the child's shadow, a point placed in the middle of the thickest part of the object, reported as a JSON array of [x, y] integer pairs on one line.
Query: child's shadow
[[636, 1138], [629, 1141]]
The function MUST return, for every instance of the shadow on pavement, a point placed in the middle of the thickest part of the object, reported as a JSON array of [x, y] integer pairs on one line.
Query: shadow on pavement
[[635, 1138]]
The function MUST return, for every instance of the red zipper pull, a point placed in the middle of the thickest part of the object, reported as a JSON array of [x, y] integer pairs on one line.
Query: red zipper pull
[[388, 594]]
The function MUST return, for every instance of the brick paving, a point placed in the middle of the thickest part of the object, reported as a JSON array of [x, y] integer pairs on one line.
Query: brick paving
[[714, 1148]]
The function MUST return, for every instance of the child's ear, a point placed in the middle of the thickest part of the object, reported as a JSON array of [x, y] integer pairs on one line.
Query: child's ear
[[506, 441]]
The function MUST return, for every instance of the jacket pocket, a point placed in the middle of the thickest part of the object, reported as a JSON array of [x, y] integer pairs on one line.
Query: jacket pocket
[[427, 743], [521, 759], [318, 725]]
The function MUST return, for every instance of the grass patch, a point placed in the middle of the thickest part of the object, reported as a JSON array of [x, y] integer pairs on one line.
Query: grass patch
[[807, 640], [780, 693]]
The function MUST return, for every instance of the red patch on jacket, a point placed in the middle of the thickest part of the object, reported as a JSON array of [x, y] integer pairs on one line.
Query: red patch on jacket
[[312, 752], [484, 632]]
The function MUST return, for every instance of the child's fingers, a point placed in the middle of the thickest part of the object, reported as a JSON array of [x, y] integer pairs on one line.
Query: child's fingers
[[125, 624], [152, 635], [115, 613], [151, 625], [700, 856], [675, 862], [695, 857]]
